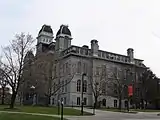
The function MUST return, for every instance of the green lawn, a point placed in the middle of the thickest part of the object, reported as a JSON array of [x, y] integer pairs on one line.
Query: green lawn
[[8, 116], [43, 110]]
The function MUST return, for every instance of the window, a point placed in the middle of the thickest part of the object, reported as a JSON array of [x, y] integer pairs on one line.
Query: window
[[107, 56], [78, 85], [103, 70], [86, 52], [104, 88], [65, 85], [81, 51], [78, 100], [104, 102], [85, 86], [85, 101], [53, 101], [61, 99], [67, 68], [64, 100], [54, 87], [97, 70], [118, 58], [84, 68], [79, 67], [63, 68], [62, 86], [125, 103], [27, 96], [115, 103]]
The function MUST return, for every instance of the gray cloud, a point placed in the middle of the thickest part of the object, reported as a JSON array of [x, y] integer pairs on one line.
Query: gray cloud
[[116, 24]]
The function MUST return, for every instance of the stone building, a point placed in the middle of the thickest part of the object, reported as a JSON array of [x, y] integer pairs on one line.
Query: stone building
[[55, 72]]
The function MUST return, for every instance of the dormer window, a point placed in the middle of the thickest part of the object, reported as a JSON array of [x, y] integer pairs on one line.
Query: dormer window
[[102, 54]]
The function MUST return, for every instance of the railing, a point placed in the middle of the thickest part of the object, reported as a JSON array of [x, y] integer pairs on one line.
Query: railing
[[101, 54]]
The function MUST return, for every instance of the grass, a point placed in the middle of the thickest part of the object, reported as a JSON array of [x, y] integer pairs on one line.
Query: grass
[[43, 110], [8, 116]]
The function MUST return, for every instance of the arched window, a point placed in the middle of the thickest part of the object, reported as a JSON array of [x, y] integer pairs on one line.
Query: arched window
[[104, 102], [104, 88], [78, 85], [115, 103], [85, 86]]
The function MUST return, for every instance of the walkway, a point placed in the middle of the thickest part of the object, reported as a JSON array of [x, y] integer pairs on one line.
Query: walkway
[[108, 115]]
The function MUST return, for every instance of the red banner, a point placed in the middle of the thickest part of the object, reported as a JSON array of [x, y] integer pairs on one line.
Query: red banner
[[130, 90]]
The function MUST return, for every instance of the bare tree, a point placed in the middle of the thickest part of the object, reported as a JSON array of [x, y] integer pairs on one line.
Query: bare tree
[[50, 72], [3, 84], [14, 61], [118, 85], [99, 83]]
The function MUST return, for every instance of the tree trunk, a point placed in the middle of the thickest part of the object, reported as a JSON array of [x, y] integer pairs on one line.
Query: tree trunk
[[120, 102], [142, 103], [48, 102], [13, 98], [95, 104], [3, 95], [146, 104]]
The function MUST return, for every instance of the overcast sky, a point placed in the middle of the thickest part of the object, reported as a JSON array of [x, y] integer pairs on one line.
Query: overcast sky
[[116, 24]]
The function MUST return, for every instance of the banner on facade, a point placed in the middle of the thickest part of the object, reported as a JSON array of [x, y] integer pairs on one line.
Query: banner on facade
[[130, 90]]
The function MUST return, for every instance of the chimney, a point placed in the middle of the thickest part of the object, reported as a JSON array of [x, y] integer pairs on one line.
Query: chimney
[[130, 54], [94, 48]]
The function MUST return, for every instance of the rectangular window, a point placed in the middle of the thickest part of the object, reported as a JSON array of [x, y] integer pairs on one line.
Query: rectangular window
[[78, 100], [97, 70], [67, 68], [62, 86], [63, 68], [53, 101], [64, 100], [79, 67], [61, 99], [115, 103], [66, 85], [85, 101]]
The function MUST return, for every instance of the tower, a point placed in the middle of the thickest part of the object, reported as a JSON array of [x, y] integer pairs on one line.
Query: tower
[[63, 38], [45, 37], [94, 47], [130, 54]]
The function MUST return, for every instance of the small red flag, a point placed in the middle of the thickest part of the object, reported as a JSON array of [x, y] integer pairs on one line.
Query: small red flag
[[130, 90]]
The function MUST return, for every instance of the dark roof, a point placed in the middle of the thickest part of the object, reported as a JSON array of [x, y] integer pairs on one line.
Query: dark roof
[[46, 28], [64, 30]]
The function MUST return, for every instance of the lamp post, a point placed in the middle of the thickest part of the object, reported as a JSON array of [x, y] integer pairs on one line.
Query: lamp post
[[62, 110], [82, 93]]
